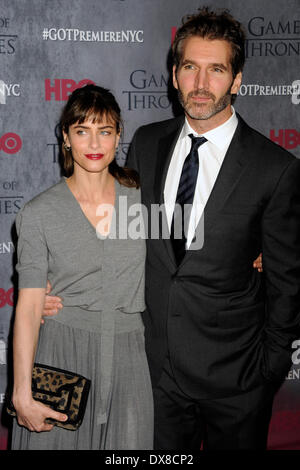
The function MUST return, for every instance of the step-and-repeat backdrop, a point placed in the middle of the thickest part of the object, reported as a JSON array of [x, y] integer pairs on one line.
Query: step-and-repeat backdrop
[[50, 47]]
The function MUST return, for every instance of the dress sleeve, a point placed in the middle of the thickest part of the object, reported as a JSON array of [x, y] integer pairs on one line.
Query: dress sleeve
[[32, 265]]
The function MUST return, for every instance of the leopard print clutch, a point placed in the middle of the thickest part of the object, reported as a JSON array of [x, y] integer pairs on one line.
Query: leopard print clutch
[[62, 390]]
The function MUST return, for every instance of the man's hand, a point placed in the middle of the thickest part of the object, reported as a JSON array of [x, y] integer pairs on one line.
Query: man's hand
[[52, 304], [258, 263]]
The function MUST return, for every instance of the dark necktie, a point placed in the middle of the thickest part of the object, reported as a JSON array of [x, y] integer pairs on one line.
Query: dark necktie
[[184, 199]]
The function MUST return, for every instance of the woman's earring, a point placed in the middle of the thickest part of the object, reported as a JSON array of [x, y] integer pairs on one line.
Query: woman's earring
[[67, 147]]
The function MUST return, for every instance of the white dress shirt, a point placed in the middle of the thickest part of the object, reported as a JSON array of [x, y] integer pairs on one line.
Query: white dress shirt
[[211, 156]]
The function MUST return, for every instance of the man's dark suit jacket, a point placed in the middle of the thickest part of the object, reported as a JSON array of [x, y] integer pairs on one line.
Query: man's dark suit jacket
[[226, 327]]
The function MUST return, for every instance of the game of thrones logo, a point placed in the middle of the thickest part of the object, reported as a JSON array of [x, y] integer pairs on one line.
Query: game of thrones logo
[[149, 91], [272, 38]]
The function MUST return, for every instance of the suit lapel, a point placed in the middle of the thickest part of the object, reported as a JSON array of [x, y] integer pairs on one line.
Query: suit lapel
[[233, 166], [166, 147]]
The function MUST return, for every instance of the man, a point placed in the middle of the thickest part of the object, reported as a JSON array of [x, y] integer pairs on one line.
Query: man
[[218, 335]]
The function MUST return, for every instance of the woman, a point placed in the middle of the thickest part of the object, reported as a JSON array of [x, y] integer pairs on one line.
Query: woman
[[63, 237]]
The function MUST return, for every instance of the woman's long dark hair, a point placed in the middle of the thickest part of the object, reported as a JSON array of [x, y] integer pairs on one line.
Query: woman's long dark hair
[[92, 101]]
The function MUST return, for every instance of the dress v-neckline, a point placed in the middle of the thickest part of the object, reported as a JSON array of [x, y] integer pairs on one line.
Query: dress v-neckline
[[83, 216]]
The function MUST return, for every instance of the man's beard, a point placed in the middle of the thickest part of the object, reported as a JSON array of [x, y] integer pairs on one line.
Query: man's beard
[[204, 111]]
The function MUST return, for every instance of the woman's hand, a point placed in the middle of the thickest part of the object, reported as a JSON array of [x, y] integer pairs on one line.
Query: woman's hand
[[32, 415], [258, 263]]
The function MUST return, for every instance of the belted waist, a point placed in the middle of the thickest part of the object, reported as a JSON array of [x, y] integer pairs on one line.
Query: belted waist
[[89, 320]]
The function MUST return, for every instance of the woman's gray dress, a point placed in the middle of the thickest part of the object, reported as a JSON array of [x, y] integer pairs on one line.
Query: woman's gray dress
[[99, 332]]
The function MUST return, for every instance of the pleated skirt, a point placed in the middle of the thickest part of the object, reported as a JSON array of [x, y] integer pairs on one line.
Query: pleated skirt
[[129, 424]]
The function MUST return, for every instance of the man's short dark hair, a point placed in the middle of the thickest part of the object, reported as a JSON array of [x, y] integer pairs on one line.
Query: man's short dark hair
[[212, 25]]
